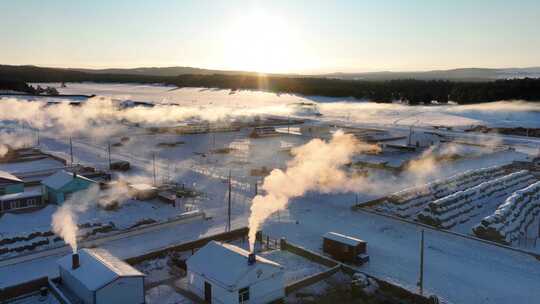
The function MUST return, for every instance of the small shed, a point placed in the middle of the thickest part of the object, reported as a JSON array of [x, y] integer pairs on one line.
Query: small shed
[[264, 132], [224, 273], [9, 183], [58, 187], [345, 248], [142, 191], [95, 276]]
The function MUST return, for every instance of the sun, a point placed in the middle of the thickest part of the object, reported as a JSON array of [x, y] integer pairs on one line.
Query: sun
[[261, 42]]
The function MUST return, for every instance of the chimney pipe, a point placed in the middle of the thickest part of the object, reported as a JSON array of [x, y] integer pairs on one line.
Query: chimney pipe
[[251, 258], [75, 261]]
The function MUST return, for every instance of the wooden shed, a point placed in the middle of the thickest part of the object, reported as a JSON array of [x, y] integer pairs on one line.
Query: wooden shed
[[345, 248]]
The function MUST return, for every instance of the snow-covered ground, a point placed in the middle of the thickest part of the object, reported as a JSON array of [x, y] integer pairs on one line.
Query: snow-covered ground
[[344, 109], [458, 270]]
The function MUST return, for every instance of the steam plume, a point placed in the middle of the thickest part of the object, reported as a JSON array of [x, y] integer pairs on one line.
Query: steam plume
[[65, 219], [317, 165]]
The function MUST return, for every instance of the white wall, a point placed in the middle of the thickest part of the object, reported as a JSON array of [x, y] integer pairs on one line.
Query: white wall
[[219, 294], [128, 290], [76, 287], [269, 287]]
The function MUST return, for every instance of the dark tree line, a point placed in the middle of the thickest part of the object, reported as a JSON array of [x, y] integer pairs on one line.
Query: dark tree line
[[413, 91], [23, 87]]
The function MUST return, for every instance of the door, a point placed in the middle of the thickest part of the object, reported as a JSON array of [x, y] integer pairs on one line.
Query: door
[[207, 292]]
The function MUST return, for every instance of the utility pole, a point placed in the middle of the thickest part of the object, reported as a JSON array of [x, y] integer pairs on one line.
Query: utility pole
[[421, 277], [109, 153], [154, 166], [229, 205], [410, 134], [288, 124], [71, 149]]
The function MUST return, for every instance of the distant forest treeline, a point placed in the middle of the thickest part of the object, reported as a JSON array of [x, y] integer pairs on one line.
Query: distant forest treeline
[[414, 91]]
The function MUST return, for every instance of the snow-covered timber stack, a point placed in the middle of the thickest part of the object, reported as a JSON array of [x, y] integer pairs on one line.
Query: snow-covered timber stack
[[459, 207], [511, 218], [409, 202]]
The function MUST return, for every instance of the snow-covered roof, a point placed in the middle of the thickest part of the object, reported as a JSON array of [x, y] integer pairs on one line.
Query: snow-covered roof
[[60, 179], [227, 264], [352, 241], [97, 268], [142, 187], [20, 195], [9, 176]]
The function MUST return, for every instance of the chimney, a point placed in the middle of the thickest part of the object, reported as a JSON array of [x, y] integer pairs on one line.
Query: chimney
[[251, 258], [75, 261]]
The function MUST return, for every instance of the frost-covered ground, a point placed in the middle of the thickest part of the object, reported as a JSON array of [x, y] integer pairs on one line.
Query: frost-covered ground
[[458, 270]]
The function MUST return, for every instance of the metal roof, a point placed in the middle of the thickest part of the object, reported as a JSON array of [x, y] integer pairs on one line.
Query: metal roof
[[97, 268]]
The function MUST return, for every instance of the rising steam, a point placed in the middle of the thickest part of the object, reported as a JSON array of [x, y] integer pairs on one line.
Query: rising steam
[[65, 219], [99, 116], [14, 140], [317, 166]]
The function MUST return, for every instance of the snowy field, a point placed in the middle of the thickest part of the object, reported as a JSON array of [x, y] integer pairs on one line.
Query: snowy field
[[457, 270]]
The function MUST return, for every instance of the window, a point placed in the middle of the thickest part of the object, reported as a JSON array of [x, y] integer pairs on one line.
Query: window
[[243, 295]]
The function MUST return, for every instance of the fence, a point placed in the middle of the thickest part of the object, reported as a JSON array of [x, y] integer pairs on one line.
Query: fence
[[388, 288], [23, 289]]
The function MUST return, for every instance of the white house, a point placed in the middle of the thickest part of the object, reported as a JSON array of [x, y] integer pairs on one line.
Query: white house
[[224, 273], [94, 276]]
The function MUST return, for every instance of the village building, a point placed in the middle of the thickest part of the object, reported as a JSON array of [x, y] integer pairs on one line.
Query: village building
[[26, 200], [94, 276], [224, 273], [58, 187], [9, 183], [14, 197]]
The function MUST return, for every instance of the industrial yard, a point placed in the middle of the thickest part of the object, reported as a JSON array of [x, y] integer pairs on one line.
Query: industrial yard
[[153, 179]]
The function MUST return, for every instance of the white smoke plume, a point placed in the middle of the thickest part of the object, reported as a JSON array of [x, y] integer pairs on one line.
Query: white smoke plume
[[317, 166], [100, 117], [65, 219], [14, 140]]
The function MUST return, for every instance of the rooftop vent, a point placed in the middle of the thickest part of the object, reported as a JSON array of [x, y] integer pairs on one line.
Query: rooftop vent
[[75, 263]]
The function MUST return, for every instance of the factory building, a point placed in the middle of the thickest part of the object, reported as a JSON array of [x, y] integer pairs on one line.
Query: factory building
[[224, 273]]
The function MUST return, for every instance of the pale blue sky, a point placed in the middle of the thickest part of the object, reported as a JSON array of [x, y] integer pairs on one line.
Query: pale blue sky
[[273, 36]]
